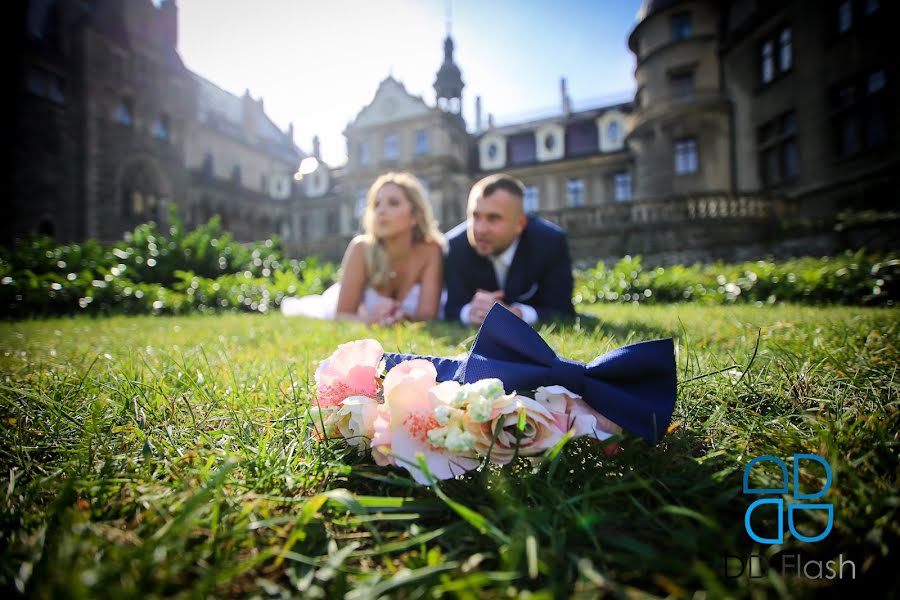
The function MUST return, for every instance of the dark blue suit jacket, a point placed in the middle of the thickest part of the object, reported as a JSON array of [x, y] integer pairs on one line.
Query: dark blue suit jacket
[[540, 274]]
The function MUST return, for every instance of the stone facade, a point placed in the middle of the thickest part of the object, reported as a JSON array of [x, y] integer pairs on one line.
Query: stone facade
[[739, 103], [787, 107], [114, 128]]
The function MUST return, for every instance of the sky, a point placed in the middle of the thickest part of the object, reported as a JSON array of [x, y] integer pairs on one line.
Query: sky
[[317, 63]]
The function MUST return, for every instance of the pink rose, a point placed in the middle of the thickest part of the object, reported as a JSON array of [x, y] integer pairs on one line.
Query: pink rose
[[350, 371], [381, 437], [572, 411], [578, 413], [411, 407], [541, 429]]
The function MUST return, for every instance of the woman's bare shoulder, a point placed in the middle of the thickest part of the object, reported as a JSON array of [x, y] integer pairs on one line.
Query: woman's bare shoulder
[[358, 244], [431, 250]]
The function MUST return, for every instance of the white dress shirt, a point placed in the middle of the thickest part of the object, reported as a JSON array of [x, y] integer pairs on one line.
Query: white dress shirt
[[501, 264]]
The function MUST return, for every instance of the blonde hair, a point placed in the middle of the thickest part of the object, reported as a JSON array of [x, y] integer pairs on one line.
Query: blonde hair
[[425, 229]]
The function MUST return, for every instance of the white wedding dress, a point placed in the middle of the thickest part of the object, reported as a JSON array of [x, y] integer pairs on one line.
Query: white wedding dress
[[324, 306]]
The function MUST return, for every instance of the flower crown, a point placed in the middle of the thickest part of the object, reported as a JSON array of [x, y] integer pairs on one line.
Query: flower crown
[[440, 417]]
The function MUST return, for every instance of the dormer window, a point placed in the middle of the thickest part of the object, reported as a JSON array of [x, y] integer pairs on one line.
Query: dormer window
[[682, 27], [125, 111], [549, 141], [613, 133]]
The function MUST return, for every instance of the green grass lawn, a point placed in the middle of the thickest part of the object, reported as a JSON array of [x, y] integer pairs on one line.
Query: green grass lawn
[[170, 456]]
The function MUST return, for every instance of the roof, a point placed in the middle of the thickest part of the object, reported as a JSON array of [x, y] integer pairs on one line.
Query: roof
[[223, 112], [559, 118]]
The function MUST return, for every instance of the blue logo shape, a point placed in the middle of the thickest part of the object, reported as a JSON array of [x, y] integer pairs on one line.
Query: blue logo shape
[[766, 458], [779, 503], [796, 493], [800, 536], [821, 461]]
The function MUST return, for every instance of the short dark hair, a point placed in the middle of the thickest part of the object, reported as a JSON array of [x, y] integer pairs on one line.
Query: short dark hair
[[500, 181]]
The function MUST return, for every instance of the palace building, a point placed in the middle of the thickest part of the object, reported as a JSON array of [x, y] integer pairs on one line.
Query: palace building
[[747, 113]]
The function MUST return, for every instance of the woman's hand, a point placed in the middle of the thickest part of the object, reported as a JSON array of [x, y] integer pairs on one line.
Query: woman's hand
[[385, 312], [394, 316]]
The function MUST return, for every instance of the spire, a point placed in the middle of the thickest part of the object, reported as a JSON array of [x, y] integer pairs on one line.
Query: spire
[[448, 84]]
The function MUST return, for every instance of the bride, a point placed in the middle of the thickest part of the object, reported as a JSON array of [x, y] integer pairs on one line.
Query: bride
[[393, 271]]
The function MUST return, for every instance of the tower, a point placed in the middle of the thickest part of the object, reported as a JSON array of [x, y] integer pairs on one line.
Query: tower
[[448, 84]]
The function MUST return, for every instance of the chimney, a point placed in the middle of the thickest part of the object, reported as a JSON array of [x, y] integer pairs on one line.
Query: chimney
[[490, 121], [290, 132], [249, 116], [477, 114], [316, 151], [169, 23], [566, 102]]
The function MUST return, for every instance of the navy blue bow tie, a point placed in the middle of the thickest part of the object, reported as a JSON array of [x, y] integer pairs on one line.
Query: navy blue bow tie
[[633, 386]]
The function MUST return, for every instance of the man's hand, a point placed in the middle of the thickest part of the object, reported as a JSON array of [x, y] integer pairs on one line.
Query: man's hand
[[481, 303]]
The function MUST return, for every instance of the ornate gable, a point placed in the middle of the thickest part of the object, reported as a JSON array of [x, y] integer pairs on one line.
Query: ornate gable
[[391, 103]]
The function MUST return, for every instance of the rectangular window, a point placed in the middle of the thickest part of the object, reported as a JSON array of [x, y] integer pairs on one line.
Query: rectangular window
[[859, 113], [875, 110], [872, 6], [161, 127], [422, 141], [363, 153], [575, 192], [125, 111], [845, 16], [531, 200], [767, 61], [785, 50], [45, 84], [331, 221], [776, 54], [391, 147], [779, 162], [681, 26], [682, 85], [304, 227], [622, 186], [361, 200], [686, 156]]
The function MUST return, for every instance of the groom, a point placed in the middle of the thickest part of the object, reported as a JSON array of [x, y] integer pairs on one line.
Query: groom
[[500, 254]]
